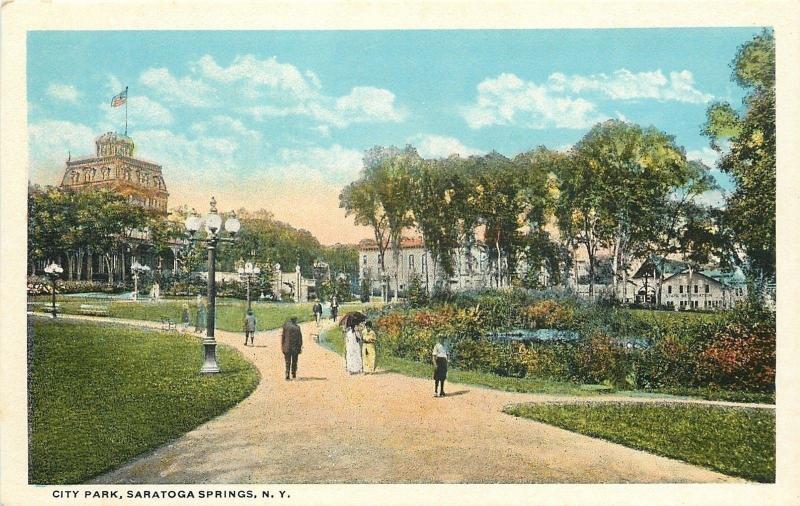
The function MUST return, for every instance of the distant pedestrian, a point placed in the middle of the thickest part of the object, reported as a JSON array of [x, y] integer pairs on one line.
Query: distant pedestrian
[[185, 317], [317, 311], [368, 351], [249, 327], [200, 320], [334, 307], [291, 345], [440, 371]]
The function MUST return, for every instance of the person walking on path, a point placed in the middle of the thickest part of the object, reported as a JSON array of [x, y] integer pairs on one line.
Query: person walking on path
[[334, 307], [368, 352], [185, 317], [317, 312], [352, 356], [249, 327], [291, 345], [440, 372], [200, 321]]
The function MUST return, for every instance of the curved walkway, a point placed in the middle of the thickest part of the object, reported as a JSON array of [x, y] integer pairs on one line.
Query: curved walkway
[[329, 427]]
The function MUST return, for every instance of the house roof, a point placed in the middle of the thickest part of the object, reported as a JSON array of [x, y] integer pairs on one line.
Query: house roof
[[405, 243], [706, 274]]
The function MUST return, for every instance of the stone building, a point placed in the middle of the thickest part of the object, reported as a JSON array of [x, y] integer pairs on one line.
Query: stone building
[[114, 167], [470, 266], [705, 289]]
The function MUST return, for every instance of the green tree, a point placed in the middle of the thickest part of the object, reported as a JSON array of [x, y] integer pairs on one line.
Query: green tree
[[745, 140], [499, 205]]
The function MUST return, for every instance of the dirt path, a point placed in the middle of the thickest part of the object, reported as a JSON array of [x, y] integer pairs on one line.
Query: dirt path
[[329, 427]]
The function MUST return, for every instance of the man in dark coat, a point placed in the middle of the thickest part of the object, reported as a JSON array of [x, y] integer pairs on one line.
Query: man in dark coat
[[291, 345]]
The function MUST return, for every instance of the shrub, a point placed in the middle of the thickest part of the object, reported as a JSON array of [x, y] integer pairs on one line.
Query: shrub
[[547, 314], [669, 362], [598, 359], [739, 357], [553, 361]]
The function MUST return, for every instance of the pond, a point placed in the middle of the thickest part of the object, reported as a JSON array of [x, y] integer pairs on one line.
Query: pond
[[558, 336], [539, 335]]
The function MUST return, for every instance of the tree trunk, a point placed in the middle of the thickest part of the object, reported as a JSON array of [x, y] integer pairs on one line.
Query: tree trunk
[[689, 291]]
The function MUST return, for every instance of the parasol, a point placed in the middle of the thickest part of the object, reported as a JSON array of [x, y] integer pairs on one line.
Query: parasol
[[352, 319]]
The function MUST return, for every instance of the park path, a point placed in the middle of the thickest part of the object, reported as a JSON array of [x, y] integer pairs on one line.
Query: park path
[[330, 427]]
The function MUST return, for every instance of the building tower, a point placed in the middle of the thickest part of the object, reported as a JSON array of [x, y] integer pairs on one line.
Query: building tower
[[114, 167]]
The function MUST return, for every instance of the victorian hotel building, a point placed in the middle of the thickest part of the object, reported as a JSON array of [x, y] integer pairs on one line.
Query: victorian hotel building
[[114, 167]]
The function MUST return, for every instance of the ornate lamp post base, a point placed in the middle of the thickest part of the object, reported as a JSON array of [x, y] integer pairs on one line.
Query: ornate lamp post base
[[210, 359]]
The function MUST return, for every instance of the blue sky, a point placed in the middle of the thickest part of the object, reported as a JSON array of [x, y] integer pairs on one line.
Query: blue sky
[[279, 119]]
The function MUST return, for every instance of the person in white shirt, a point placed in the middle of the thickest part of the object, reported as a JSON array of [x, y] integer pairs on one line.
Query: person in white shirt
[[440, 373]]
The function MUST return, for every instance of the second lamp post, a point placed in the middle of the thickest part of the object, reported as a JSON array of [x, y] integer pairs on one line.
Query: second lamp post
[[247, 274], [213, 225]]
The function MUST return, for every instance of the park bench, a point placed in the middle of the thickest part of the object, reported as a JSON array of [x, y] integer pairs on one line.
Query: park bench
[[45, 307], [167, 323], [94, 310]]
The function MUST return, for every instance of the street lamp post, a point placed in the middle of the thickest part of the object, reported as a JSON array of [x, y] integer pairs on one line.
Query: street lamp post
[[137, 269], [213, 223], [247, 273], [53, 271]]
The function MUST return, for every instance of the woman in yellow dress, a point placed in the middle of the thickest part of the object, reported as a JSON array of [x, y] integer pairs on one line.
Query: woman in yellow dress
[[368, 351]]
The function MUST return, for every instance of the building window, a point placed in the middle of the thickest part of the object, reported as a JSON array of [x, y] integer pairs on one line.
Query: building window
[[707, 288], [669, 289], [695, 288], [680, 288], [365, 259], [410, 262], [424, 262]]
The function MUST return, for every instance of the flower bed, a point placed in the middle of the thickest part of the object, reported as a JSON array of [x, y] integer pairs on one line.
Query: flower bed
[[733, 350]]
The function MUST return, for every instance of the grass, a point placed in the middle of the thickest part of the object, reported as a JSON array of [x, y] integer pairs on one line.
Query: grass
[[229, 312], [334, 340], [734, 441], [716, 394], [101, 394]]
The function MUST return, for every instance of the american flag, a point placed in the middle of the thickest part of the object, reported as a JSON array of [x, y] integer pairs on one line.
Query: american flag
[[120, 99]]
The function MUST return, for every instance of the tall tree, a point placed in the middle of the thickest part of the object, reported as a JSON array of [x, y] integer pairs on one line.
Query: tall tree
[[391, 179], [435, 212], [745, 140], [499, 205], [622, 175]]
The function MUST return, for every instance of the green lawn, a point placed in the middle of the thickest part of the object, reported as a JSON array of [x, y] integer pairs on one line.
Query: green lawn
[[333, 339], [230, 312], [733, 441], [102, 394]]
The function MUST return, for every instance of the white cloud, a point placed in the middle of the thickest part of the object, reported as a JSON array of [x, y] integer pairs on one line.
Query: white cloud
[[193, 92], [221, 124], [706, 155], [334, 164], [439, 146], [323, 130], [51, 142], [623, 84], [713, 198], [275, 89], [142, 111], [64, 92], [365, 103], [186, 156], [259, 76], [508, 100]]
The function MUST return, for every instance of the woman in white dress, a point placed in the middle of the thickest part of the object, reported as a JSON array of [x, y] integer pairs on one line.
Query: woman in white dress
[[352, 352]]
